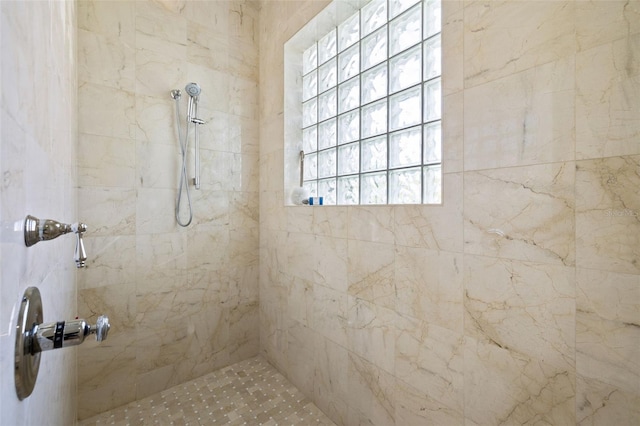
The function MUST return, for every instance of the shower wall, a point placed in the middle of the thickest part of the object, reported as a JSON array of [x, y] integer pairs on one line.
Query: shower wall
[[183, 301], [518, 300], [38, 122]]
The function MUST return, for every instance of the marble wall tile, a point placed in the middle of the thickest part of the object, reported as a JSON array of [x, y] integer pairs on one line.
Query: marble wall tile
[[117, 19], [522, 307], [608, 99], [603, 22], [372, 389], [330, 383], [207, 46], [429, 360], [523, 118], [331, 221], [106, 162], [370, 277], [331, 264], [108, 211], [523, 213], [502, 386], [371, 333], [453, 44], [371, 224], [105, 111], [156, 120], [608, 214], [157, 165], [331, 314], [413, 408], [106, 60], [243, 334], [433, 227], [497, 42], [110, 261], [159, 65], [599, 403], [300, 354], [158, 19], [300, 302], [453, 133], [607, 332], [155, 210], [429, 286]]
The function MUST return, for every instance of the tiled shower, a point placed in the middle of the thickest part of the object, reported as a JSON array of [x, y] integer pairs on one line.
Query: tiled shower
[[516, 301]]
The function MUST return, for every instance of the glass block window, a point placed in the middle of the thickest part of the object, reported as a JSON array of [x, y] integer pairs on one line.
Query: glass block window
[[371, 107]]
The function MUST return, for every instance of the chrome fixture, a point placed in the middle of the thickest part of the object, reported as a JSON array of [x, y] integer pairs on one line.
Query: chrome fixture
[[36, 230], [194, 91], [33, 337]]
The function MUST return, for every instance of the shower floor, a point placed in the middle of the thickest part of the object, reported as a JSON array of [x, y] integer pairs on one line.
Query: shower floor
[[250, 392]]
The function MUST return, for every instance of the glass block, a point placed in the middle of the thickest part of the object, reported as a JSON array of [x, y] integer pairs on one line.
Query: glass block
[[349, 159], [374, 154], [374, 119], [396, 7], [327, 134], [432, 143], [432, 58], [327, 47], [374, 83], [349, 32], [327, 104], [310, 59], [327, 163], [310, 112], [311, 187], [348, 190], [433, 185], [405, 186], [405, 148], [327, 76], [432, 100], [349, 63], [374, 188], [309, 85], [309, 139], [432, 18], [310, 166], [349, 95], [405, 31], [405, 70], [349, 127], [376, 47], [404, 109], [327, 189], [374, 15]]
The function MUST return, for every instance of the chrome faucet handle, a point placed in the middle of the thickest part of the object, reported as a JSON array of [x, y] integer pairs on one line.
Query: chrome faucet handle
[[102, 327], [80, 255]]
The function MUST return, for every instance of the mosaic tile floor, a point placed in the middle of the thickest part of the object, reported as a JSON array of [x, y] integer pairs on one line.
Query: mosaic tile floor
[[250, 392]]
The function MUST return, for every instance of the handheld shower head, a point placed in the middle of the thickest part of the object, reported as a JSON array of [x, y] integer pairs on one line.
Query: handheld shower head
[[193, 90]]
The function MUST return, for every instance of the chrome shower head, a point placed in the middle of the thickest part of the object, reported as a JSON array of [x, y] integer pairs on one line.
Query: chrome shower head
[[192, 90], [176, 94]]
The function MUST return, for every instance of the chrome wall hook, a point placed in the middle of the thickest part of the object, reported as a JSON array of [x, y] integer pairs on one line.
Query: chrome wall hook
[[36, 230]]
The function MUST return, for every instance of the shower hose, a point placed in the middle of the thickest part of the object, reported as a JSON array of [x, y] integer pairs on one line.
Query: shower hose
[[184, 181]]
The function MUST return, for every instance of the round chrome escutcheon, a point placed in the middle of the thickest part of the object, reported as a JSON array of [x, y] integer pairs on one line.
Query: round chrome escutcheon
[[26, 364]]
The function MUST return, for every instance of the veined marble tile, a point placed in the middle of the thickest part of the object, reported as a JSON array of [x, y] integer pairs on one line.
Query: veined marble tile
[[453, 133], [370, 276], [107, 211], [331, 263], [155, 210], [300, 302], [608, 328], [213, 207], [330, 221], [208, 248], [110, 261], [523, 213], [371, 333], [504, 387], [524, 118], [118, 302], [156, 120], [243, 22], [158, 253], [453, 45], [498, 42], [330, 314], [372, 393], [608, 99], [160, 66], [214, 14], [433, 227], [300, 353], [523, 307], [608, 214], [104, 161], [330, 380], [598, 403], [371, 223], [106, 60], [413, 408], [158, 165], [161, 19], [429, 286], [300, 255], [207, 46], [116, 19], [599, 22], [243, 97], [243, 59], [244, 331], [106, 111], [429, 359]]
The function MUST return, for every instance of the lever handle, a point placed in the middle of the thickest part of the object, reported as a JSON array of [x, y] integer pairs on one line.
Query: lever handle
[[80, 255], [36, 230]]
